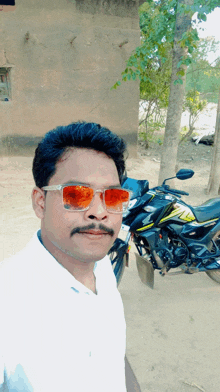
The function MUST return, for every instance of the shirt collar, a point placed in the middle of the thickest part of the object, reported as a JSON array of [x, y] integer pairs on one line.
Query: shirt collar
[[58, 273]]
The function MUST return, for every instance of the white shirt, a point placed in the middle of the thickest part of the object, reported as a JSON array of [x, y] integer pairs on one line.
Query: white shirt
[[55, 334]]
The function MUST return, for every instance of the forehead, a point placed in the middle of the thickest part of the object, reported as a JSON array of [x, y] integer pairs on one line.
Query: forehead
[[85, 165]]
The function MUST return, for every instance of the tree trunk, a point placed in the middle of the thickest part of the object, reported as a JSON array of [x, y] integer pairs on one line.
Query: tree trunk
[[175, 107], [214, 177]]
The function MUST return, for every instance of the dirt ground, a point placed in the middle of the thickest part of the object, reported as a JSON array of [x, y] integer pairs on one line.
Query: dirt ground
[[173, 334]]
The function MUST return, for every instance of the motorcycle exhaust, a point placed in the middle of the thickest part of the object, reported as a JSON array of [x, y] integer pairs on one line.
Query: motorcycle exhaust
[[145, 270]]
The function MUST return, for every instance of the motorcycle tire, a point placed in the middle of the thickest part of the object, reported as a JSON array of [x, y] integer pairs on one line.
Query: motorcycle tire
[[215, 274]]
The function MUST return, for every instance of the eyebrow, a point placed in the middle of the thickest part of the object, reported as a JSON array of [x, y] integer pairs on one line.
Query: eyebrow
[[72, 182]]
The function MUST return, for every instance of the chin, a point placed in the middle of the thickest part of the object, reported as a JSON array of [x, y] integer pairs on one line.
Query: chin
[[95, 253], [93, 257]]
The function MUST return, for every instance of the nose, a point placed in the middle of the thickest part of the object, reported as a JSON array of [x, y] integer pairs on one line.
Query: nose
[[97, 209]]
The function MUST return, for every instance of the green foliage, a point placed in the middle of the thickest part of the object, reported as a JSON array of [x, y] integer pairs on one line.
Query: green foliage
[[184, 130], [150, 136], [183, 134], [151, 62], [193, 103], [153, 122], [204, 7], [195, 106], [154, 86], [178, 81], [118, 83], [145, 136], [157, 24], [201, 75]]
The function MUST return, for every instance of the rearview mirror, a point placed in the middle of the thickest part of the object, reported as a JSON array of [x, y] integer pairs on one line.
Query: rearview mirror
[[184, 174]]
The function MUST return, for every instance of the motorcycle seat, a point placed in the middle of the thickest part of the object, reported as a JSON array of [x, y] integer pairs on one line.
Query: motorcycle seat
[[138, 187], [208, 210]]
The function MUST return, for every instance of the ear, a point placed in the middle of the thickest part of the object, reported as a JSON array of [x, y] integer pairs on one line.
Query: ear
[[38, 202]]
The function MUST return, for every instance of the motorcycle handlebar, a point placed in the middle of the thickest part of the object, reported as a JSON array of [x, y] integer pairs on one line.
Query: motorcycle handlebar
[[179, 192], [174, 191]]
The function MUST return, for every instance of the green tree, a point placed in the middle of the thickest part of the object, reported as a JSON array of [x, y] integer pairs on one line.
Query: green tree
[[177, 89], [202, 75], [155, 93], [185, 40], [214, 177], [168, 22], [195, 106], [206, 77]]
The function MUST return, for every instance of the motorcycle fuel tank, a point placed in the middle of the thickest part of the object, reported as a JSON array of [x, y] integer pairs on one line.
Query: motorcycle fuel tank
[[150, 214]]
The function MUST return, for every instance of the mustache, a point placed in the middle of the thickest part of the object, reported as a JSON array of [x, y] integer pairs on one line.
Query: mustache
[[109, 231]]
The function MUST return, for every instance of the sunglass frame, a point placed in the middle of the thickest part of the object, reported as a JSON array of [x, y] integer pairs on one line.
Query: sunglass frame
[[60, 187]]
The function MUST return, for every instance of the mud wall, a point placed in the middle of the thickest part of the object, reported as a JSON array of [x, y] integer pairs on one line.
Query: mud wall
[[64, 56]]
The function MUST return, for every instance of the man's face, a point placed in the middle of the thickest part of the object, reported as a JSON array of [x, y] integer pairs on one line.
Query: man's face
[[98, 171]]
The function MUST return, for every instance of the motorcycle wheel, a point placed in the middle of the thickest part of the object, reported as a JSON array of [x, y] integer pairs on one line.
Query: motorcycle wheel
[[118, 261], [215, 274]]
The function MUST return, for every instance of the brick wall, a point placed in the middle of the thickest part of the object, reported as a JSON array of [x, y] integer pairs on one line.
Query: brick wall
[[63, 57]]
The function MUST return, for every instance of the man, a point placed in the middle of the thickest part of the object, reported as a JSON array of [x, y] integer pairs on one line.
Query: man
[[62, 324]]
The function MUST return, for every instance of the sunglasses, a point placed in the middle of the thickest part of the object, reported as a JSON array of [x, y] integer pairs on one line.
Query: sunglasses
[[79, 197]]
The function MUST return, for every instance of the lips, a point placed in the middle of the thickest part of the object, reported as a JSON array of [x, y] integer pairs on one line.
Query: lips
[[93, 232], [94, 235]]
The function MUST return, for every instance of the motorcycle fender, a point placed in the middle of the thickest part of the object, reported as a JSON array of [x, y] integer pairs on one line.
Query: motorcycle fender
[[145, 271]]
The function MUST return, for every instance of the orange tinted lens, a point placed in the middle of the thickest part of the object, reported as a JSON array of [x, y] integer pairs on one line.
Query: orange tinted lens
[[77, 197], [116, 199]]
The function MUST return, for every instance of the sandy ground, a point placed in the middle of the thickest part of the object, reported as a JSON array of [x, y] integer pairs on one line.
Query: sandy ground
[[172, 331]]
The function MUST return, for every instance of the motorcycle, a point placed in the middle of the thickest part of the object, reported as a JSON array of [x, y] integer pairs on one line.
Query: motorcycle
[[167, 232]]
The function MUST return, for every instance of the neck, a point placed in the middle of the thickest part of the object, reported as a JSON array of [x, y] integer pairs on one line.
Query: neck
[[81, 270]]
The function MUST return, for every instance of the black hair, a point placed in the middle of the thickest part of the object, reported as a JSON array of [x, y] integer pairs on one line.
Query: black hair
[[78, 134]]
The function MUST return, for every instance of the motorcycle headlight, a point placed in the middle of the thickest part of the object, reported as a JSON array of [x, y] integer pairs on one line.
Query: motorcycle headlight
[[149, 208]]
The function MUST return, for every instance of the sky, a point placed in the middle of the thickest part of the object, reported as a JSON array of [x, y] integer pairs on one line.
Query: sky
[[211, 28]]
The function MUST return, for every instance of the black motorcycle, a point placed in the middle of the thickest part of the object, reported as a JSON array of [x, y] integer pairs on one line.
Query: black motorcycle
[[167, 232]]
